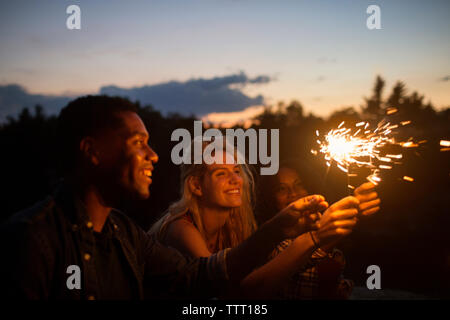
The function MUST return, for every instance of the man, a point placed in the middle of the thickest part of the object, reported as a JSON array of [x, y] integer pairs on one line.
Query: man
[[74, 245]]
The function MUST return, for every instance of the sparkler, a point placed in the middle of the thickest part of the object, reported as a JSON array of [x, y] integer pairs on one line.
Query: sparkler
[[362, 147], [445, 144]]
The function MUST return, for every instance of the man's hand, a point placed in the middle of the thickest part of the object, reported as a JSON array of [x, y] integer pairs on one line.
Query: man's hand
[[369, 203], [300, 216], [337, 221]]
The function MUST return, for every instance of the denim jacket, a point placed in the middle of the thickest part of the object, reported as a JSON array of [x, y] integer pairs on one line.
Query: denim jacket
[[41, 242]]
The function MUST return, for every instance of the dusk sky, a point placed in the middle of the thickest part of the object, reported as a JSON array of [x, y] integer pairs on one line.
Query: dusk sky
[[318, 52]]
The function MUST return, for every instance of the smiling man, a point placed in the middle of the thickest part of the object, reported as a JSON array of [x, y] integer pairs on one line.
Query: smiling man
[[75, 245]]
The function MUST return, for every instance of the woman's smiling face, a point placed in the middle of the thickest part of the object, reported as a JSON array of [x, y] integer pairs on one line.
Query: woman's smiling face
[[222, 184], [289, 188]]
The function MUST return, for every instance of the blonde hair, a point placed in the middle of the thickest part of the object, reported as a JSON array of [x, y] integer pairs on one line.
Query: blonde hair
[[240, 223]]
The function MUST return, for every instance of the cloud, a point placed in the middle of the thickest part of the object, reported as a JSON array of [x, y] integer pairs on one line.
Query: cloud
[[195, 96], [261, 79], [445, 79], [229, 119], [13, 98]]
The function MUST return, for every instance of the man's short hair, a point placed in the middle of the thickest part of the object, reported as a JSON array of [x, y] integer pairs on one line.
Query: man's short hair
[[87, 116]]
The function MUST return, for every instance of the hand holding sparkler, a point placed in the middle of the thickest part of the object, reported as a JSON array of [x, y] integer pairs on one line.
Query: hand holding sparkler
[[300, 216], [337, 221], [369, 203]]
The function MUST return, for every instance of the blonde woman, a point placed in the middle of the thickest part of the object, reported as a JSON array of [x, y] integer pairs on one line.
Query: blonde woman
[[215, 212]]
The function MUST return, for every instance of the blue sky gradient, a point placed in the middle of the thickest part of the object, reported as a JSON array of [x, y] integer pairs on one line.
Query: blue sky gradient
[[319, 52]]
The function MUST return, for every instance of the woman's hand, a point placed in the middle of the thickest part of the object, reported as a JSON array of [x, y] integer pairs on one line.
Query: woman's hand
[[337, 221], [300, 216], [369, 203]]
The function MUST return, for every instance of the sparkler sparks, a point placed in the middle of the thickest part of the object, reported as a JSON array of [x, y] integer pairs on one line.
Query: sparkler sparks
[[391, 111], [348, 148], [444, 143], [409, 144], [363, 147]]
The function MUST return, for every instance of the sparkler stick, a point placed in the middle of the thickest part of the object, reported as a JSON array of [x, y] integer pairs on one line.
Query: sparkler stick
[[349, 186]]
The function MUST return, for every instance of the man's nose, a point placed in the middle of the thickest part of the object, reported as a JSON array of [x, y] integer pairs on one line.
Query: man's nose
[[152, 155]]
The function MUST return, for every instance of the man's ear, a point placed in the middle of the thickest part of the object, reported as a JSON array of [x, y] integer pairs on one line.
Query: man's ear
[[88, 150], [195, 186]]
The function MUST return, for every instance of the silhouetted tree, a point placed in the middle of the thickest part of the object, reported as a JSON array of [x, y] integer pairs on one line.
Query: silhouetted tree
[[373, 108]]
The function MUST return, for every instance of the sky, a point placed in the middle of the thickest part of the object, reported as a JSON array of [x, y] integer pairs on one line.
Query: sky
[[261, 52]]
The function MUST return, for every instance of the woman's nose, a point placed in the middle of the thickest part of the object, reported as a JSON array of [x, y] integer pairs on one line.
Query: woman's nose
[[236, 178], [293, 194]]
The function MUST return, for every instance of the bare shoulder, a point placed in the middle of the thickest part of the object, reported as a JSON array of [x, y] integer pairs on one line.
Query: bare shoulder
[[180, 228], [185, 237]]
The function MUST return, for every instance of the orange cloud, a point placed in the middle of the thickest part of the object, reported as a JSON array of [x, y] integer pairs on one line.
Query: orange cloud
[[229, 119]]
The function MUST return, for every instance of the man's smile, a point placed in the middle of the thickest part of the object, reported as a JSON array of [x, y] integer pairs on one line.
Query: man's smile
[[147, 173]]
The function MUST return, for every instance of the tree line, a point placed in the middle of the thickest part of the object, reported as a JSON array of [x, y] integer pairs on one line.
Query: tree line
[[408, 238]]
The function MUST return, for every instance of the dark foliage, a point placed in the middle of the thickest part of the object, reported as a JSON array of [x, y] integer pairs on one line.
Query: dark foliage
[[408, 238]]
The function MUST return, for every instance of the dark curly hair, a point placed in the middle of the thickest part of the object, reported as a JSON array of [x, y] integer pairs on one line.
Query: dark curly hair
[[87, 116], [266, 187]]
